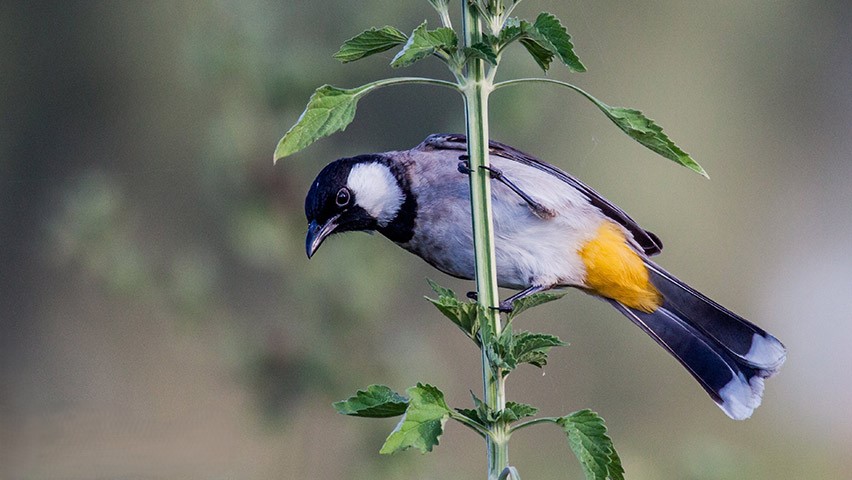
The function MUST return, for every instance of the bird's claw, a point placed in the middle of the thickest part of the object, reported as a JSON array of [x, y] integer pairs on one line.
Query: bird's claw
[[464, 167], [494, 173], [506, 306]]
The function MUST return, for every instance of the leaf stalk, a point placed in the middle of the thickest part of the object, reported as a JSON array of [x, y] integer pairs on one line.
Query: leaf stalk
[[530, 423], [476, 427]]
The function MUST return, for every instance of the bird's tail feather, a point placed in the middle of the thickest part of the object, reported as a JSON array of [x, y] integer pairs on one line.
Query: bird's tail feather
[[729, 356], [743, 339]]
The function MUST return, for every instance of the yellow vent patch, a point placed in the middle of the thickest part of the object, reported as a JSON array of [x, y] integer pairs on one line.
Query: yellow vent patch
[[616, 271]]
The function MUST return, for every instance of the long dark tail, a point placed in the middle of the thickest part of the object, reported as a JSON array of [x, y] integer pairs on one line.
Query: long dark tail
[[728, 355]]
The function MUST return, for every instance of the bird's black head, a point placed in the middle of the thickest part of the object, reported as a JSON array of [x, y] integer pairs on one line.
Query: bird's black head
[[362, 193]]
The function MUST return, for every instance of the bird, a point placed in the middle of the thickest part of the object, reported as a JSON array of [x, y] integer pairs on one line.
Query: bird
[[550, 231]]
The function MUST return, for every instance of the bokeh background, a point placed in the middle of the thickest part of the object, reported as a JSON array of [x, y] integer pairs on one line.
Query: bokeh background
[[159, 319]]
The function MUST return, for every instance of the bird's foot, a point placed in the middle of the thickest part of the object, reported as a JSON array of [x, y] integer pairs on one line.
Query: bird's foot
[[505, 306], [538, 209], [464, 164], [496, 174]]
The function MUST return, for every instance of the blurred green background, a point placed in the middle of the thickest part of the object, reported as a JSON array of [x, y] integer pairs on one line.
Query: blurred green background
[[159, 319]]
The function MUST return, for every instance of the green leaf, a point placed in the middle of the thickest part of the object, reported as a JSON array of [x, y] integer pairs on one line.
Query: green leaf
[[423, 422], [549, 32], [498, 348], [594, 449], [544, 39], [423, 43], [542, 56], [377, 401], [481, 51], [329, 110], [616, 470], [634, 123], [533, 300], [464, 314], [512, 30], [532, 348], [441, 291], [516, 411], [645, 131], [509, 349], [481, 413], [472, 414], [370, 42]]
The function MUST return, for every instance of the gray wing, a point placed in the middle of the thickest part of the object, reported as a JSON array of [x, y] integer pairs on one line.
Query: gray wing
[[649, 242]]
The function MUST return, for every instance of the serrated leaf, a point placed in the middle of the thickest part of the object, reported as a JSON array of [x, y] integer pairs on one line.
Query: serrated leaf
[[472, 414], [532, 348], [480, 414], [516, 411], [424, 42], [642, 129], [329, 110], [481, 51], [534, 300], [486, 414], [441, 291], [551, 34], [499, 349], [508, 350], [377, 401], [487, 334], [542, 56], [616, 470], [464, 314], [594, 449], [512, 30], [423, 422], [370, 42]]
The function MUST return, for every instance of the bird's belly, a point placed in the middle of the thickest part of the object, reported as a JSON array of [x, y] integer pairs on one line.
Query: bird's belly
[[536, 252]]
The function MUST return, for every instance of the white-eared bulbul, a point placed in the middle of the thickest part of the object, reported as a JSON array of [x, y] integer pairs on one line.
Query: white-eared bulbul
[[550, 231]]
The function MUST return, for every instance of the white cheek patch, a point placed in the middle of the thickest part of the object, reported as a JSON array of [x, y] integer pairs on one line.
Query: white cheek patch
[[376, 191]]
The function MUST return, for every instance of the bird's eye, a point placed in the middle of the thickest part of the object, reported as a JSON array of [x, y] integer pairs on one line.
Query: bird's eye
[[343, 197]]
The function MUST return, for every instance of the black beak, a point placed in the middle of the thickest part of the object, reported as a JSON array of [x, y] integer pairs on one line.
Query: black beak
[[317, 233]]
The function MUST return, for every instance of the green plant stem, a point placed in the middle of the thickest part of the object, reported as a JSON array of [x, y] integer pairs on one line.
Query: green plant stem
[[476, 88]]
